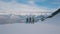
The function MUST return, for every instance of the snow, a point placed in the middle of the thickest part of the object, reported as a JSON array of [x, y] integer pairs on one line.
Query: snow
[[49, 26]]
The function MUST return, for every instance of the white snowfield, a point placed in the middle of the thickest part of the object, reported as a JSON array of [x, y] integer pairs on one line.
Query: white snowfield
[[49, 26]]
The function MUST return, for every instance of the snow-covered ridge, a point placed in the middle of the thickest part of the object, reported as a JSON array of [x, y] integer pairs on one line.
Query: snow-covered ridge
[[27, 13]]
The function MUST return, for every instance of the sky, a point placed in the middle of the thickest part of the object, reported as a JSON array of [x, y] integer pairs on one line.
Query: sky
[[17, 6], [43, 3]]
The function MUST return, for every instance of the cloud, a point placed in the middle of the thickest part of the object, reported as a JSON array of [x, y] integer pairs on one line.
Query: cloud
[[31, 2], [17, 8]]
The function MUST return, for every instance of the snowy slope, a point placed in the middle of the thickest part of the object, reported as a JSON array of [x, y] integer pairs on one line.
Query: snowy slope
[[49, 26]]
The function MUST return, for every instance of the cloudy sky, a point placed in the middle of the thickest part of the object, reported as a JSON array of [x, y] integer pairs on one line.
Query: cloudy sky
[[39, 3], [18, 6]]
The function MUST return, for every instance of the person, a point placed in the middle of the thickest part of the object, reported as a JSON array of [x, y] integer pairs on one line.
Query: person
[[26, 20]]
